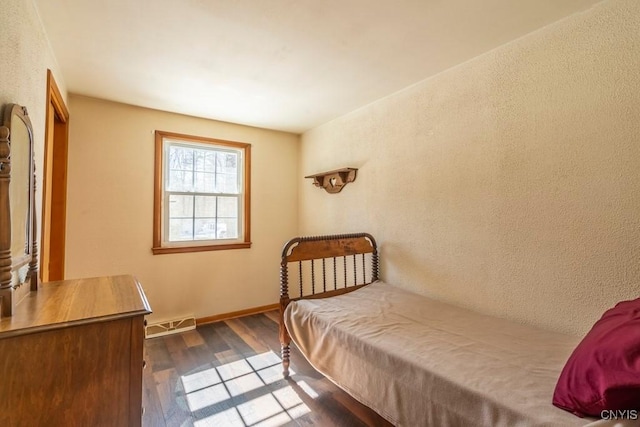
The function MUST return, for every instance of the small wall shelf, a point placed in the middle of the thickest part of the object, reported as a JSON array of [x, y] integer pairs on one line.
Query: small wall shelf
[[333, 181]]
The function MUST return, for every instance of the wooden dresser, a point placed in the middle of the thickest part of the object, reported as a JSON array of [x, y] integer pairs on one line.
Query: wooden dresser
[[72, 355]]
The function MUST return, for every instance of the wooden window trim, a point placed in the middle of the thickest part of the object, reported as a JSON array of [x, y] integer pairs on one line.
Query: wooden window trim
[[157, 247]]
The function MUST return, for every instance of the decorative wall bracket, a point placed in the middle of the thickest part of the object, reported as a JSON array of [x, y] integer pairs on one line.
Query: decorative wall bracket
[[333, 181]]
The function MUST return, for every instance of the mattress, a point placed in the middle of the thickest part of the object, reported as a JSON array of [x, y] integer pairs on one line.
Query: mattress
[[420, 362]]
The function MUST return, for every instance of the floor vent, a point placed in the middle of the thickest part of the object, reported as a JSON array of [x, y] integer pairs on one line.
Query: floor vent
[[169, 327]]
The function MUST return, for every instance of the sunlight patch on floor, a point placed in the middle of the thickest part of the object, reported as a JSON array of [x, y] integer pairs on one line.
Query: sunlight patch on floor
[[220, 394], [307, 389], [207, 397], [200, 380]]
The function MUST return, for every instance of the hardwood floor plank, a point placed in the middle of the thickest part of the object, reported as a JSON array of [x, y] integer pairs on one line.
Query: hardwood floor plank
[[230, 374], [213, 340], [228, 356], [273, 315], [264, 324], [157, 356], [150, 399], [192, 338], [172, 410], [247, 335], [232, 339], [180, 355], [265, 330]]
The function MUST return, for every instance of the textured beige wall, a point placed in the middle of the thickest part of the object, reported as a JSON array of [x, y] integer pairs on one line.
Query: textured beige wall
[[509, 184], [110, 210], [25, 56]]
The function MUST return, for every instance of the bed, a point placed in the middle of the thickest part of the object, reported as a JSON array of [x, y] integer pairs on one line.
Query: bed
[[414, 360]]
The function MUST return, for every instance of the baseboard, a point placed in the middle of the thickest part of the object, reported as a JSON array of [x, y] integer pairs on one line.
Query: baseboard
[[169, 327], [234, 314]]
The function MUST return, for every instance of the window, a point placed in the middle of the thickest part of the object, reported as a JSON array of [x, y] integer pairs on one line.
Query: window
[[201, 199]]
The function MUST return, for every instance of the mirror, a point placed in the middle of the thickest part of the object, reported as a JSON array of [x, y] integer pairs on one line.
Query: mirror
[[19, 190], [18, 263]]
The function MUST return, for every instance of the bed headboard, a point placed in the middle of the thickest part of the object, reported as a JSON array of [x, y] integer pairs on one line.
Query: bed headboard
[[325, 266], [328, 265]]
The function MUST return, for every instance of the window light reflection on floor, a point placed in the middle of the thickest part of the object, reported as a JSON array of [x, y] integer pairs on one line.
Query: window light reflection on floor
[[245, 393]]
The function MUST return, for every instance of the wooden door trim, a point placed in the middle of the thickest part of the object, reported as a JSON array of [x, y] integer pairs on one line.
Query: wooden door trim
[[58, 163], [54, 97]]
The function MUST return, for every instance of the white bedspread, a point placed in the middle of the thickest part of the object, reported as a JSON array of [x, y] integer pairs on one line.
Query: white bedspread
[[419, 362]]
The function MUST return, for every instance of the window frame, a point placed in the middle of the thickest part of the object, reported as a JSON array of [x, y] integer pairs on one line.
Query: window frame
[[159, 245]]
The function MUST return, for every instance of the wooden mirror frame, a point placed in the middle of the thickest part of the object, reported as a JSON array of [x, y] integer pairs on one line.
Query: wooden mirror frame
[[8, 266]]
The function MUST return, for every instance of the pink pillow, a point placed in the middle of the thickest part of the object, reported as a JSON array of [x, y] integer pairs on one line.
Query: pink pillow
[[603, 372]]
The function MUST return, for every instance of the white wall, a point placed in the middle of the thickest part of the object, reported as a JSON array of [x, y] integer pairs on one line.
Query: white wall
[[25, 56], [509, 184], [110, 210]]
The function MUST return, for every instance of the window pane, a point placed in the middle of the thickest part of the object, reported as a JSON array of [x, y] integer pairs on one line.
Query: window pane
[[227, 228], [228, 207], [231, 184], [205, 182], [199, 159], [205, 206], [180, 206], [180, 158], [219, 186], [210, 161], [180, 229], [180, 181], [205, 229], [228, 163], [226, 183]]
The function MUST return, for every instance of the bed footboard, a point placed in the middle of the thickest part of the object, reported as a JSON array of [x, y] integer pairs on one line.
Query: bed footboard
[[326, 266]]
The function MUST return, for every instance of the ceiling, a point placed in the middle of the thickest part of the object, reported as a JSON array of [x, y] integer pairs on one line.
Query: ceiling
[[280, 64]]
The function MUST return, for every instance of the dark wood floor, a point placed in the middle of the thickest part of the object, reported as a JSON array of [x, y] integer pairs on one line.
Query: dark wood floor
[[229, 374]]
